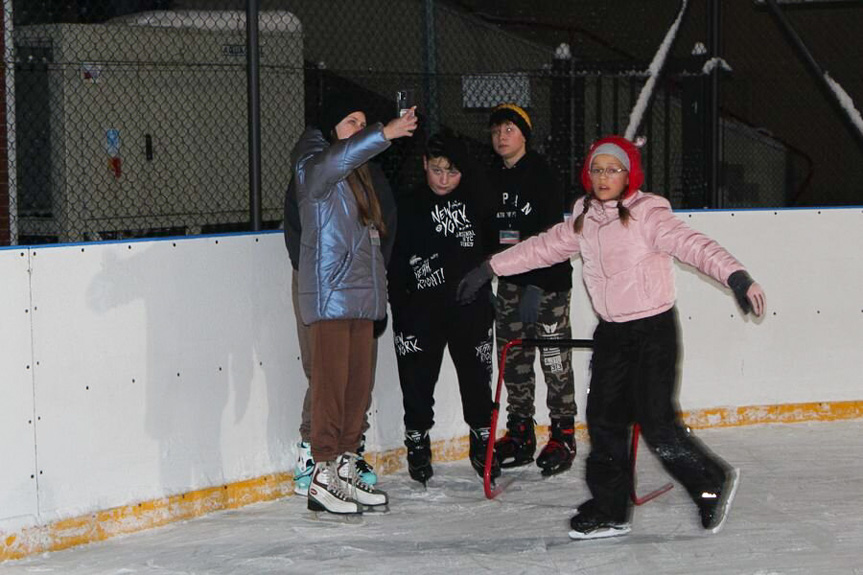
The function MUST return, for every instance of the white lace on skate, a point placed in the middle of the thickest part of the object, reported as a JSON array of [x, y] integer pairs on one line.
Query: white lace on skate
[[362, 492], [333, 483], [354, 478], [365, 470]]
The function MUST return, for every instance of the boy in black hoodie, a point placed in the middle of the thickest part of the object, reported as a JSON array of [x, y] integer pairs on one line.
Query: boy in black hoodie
[[439, 240]]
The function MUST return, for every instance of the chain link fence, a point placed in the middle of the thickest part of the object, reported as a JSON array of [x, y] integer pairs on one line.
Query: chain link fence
[[129, 119]]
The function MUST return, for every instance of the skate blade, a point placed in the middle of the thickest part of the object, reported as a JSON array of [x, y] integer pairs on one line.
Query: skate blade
[[376, 509], [729, 500], [600, 533], [515, 463], [335, 518], [549, 471], [425, 483]]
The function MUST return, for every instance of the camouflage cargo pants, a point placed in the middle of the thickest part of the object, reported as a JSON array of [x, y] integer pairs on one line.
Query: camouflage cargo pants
[[556, 363]]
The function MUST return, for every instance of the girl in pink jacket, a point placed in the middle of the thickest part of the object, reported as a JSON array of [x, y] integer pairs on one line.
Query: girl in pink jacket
[[627, 239]]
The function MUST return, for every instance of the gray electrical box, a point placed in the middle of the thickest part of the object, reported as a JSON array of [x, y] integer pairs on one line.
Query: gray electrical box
[[139, 126]]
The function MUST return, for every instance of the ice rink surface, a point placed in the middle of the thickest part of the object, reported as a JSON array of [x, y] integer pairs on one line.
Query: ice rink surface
[[799, 509]]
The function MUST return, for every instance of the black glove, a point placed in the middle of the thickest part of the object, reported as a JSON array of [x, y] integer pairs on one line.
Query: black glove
[[472, 282], [739, 283], [528, 307], [380, 326]]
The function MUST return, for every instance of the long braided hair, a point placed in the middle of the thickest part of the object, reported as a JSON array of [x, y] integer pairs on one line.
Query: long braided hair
[[622, 212]]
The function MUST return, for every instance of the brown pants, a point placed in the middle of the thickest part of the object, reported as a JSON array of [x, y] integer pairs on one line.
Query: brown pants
[[341, 384], [304, 335]]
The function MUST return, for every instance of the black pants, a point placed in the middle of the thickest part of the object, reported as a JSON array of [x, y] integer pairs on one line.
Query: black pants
[[421, 331], [634, 379]]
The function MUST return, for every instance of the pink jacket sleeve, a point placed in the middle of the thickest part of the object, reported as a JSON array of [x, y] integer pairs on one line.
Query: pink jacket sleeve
[[671, 235], [557, 244]]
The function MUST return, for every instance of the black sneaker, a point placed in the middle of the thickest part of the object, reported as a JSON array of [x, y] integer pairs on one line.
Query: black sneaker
[[478, 449], [419, 455], [559, 452], [518, 445], [590, 523], [714, 506]]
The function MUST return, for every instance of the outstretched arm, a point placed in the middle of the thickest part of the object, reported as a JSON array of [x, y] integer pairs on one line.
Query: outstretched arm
[[548, 248], [557, 244], [671, 235], [330, 164]]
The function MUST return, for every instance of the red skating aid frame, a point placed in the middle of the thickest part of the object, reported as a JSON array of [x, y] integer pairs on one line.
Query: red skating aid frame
[[636, 430], [492, 491]]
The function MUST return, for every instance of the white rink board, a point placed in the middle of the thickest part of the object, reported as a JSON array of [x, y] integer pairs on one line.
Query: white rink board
[[806, 348], [115, 323], [18, 475], [164, 367]]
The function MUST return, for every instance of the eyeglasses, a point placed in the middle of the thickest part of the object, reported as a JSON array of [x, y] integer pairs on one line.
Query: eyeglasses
[[610, 172]]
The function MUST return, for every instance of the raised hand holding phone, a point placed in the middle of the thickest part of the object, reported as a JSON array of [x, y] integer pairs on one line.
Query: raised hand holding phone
[[402, 126]]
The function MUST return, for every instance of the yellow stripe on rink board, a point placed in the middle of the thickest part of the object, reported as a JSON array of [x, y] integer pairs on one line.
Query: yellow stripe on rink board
[[785, 413], [102, 525]]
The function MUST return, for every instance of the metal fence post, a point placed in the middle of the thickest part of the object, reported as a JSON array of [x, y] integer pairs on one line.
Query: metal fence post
[[431, 67], [253, 81], [714, 134]]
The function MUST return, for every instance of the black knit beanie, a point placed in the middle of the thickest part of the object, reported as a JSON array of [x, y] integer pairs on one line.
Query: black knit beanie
[[336, 107], [514, 114]]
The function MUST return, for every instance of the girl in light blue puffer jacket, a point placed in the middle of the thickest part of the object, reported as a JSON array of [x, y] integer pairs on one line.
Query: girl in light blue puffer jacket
[[342, 290]]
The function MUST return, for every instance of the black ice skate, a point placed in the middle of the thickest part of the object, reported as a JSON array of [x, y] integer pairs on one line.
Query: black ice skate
[[558, 453], [419, 455], [714, 506], [590, 523], [517, 447], [478, 449]]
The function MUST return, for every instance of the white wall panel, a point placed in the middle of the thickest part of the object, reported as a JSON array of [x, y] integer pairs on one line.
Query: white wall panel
[[18, 501], [159, 367], [804, 350]]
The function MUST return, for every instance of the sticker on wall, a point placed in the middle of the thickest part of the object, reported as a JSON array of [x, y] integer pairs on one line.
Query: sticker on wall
[[112, 146], [91, 72]]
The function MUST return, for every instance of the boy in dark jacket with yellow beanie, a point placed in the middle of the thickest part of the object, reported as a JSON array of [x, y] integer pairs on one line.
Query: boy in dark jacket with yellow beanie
[[527, 200]]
